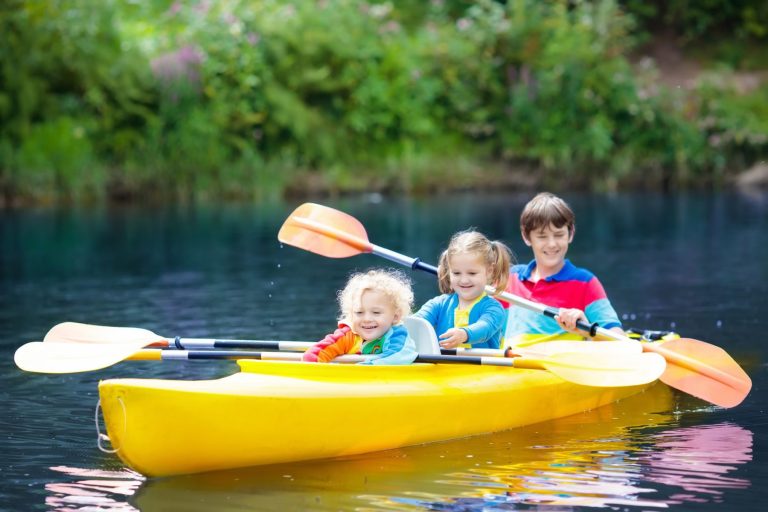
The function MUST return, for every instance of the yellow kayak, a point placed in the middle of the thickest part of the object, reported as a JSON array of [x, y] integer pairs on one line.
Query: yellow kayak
[[272, 412]]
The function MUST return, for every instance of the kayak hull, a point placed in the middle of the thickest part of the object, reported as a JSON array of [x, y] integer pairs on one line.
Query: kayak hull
[[273, 412]]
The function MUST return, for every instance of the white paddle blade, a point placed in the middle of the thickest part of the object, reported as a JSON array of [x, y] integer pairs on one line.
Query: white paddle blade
[[53, 357], [74, 332]]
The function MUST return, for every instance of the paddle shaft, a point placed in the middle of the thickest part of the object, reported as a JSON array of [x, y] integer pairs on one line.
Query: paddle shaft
[[300, 346], [208, 343], [189, 355], [185, 355]]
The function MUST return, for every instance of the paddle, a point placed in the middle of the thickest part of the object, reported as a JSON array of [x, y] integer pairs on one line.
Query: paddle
[[696, 367], [601, 370], [78, 333], [54, 357], [74, 347], [75, 332]]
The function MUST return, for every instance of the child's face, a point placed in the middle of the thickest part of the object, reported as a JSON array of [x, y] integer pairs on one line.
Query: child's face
[[468, 276], [549, 245], [374, 315]]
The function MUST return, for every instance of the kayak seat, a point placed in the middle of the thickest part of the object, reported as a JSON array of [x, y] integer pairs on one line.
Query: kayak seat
[[423, 334]]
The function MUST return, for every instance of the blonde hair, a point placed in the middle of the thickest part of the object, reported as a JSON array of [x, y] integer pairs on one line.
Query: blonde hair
[[496, 256], [544, 210], [392, 283]]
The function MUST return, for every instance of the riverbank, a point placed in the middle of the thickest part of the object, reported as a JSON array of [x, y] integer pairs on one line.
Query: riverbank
[[251, 100]]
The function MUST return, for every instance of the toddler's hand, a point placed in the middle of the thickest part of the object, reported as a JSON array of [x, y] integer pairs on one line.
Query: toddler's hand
[[452, 338], [567, 318]]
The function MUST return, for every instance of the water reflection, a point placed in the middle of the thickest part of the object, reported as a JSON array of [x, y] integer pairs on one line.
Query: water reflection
[[629, 454], [691, 464], [100, 490], [211, 271], [698, 459]]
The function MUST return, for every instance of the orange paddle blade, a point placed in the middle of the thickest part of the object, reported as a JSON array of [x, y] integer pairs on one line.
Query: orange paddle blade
[[324, 231], [703, 370]]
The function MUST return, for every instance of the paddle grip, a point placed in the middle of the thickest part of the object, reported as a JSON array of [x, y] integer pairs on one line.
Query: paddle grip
[[420, 265], [591, 329]]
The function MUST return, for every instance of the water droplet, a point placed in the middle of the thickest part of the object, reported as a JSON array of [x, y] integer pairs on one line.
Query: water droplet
[[279, 265], [633, 316], [269, 295], [719, 323], [673, 324], [271, 283]]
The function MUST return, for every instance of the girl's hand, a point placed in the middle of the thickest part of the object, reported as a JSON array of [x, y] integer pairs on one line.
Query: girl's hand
[[452, 338], [567, 319]]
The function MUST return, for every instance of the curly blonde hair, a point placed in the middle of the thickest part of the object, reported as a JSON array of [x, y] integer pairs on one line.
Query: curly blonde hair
[[496, 256], [392, 283]]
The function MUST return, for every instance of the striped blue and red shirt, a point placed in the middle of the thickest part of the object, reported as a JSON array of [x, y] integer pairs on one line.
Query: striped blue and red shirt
[[571, 287]]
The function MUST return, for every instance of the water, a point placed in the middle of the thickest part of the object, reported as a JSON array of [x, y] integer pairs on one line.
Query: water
[[695, 263]]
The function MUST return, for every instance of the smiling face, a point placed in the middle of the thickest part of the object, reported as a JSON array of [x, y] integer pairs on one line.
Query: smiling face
[[373, 315], [549, 245], [468, 276]]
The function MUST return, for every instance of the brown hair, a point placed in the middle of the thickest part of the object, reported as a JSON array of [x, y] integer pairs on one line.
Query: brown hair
[[544, 210], [496, 256]]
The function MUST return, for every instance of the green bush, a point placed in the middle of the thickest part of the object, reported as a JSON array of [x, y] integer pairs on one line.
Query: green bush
[[244, 98]]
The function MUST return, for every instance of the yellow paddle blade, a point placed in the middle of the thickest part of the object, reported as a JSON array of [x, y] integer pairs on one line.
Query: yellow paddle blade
[[53, 357], [546, 348], [74, 332], [324, 231], [703, 370], [601, 370]]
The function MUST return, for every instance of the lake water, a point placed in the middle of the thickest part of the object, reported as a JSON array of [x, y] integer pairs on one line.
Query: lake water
[[697, 264]]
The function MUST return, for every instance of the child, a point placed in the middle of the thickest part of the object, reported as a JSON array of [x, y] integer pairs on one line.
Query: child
[[547, 225], [372, 307], [464, 314]]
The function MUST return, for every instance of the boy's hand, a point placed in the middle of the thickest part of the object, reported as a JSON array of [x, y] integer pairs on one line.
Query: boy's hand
[[567, 318], [452, 338]]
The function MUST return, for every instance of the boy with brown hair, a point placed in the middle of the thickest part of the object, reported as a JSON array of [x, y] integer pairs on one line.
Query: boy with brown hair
[[547, 225]]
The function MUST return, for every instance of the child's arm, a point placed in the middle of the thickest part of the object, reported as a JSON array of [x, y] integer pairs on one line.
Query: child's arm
[[399, 348], [339, 343]]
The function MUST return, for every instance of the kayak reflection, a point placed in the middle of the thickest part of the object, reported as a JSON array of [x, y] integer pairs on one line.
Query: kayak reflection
[[631, 454], [697, 460]]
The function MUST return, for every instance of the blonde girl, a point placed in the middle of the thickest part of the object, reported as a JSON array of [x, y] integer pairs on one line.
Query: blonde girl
[[372, 306], [465, 314]]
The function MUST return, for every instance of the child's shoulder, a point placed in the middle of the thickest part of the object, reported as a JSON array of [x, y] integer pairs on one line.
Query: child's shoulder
[[490, 303], [442, 300], [571, 272], [522, 270]]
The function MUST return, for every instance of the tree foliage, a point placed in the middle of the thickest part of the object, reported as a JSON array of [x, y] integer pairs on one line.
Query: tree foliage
[[247, 98]]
